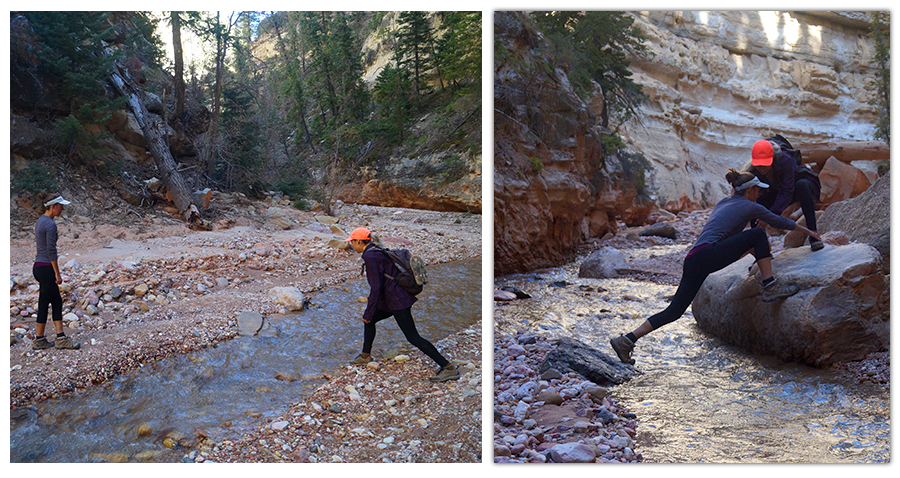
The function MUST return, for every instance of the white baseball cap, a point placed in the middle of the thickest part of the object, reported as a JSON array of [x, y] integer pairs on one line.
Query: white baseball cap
[[58, 200]]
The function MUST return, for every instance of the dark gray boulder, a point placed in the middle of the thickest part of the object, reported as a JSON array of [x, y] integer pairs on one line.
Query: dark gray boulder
[[571, 355]]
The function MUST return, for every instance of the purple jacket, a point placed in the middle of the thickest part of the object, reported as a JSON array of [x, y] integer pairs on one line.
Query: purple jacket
[[782, 177], [384, 293]]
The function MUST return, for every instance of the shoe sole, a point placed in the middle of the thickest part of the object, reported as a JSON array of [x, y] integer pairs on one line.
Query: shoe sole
[[784, 295], [817, 247], [49, 346], [437, 379], [613, 344]]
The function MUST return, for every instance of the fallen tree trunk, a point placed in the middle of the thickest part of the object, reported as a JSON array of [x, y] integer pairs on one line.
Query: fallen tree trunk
[[171, 178], [845, 151]]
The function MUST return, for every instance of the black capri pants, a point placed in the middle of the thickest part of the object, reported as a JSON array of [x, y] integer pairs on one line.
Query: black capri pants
[[49, 294], [706, 261]]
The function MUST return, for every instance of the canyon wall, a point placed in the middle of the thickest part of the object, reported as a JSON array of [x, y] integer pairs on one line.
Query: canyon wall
[[719, 81], [716, 81]]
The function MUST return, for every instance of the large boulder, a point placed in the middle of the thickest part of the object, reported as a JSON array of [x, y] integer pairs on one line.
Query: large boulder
[[571, 355], [865, 218], [841, 181], [602, 264], [842, 312]]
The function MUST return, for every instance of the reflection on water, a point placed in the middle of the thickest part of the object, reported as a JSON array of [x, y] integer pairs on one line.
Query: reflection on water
[[701, 401], [225, 389]]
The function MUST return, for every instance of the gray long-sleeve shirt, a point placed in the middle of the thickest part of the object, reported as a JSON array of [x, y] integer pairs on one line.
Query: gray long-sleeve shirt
[[45, 236], [732, 214]]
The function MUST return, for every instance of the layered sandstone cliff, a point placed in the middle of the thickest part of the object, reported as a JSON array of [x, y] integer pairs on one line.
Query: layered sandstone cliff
[[719, 81]]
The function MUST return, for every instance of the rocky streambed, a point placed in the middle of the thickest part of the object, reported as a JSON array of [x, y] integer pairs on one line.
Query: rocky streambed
[[690, 385]]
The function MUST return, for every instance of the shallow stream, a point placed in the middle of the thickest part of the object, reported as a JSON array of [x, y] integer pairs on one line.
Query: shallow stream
[[223, 390], [697, 399]]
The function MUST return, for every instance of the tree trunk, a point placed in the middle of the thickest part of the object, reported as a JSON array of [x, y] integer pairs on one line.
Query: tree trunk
[[156, 143], [217, 106], [845, 151], [179, 66]]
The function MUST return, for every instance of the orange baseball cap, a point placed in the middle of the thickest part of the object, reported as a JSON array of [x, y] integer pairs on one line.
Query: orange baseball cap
[[359, 234], [763, 152]]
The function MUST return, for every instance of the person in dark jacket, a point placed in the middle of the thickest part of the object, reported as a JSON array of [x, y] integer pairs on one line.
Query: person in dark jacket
[[722, 242], [46, 272], [790, 181], [386, 299]]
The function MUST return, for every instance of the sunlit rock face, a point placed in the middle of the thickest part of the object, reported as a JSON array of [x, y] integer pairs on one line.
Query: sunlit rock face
[[719, 81]]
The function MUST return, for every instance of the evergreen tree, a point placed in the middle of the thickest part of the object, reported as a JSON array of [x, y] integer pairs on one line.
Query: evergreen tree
[[72, 49], [459, 49], [394, 105], [415, 45], [595, 46]]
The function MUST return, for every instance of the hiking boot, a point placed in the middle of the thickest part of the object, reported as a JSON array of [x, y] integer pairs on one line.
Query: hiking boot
[[815, 245], [623, 348], [445, 374], [360, 360], [41, 343], [773, 291], [65, 343]]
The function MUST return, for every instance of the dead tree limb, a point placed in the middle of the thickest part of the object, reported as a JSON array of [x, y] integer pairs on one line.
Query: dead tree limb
[[845, 151], [151, 127]]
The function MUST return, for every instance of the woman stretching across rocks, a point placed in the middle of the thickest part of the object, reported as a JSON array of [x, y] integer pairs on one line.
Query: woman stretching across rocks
[[722, 242]]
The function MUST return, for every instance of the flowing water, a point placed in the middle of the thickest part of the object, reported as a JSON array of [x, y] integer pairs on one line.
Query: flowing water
[[223, 390], [697, 399]]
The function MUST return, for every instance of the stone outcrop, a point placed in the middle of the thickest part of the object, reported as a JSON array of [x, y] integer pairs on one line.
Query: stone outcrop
[[552, 185], [719, 81], [842, 312], [865, 218], [841, 181]]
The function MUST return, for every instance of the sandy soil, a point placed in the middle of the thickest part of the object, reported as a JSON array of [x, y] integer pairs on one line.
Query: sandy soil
[[198, 282]]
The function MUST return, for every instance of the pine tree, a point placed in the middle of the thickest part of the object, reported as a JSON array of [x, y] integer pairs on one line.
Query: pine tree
[[394, 105], [72, 49], [459, 49], [415, 45], [595, 46]]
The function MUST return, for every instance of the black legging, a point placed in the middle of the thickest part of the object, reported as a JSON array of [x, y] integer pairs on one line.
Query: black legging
[[49, 294], [706, 261], [803, 193], [408, 327]]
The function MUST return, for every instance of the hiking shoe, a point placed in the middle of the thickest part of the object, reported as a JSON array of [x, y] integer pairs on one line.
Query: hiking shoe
[[815, 245], [41, 343], [623, 348], [773, 291], [65, 343], [445, 374], [360, 360]]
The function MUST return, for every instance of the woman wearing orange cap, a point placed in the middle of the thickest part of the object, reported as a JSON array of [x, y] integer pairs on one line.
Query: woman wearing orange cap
[[791, 182], [722, 241], [46, 272], [386, 299]]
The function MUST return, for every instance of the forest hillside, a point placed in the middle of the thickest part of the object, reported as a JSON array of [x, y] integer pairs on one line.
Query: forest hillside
[[379, 108]]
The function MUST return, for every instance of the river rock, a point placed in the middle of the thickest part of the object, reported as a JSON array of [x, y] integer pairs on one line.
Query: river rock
[[277, 217], [249, 323], [572, 453], [602, 263], [660, 229], [571, 355], [502, 295], [290, 297], [842, 312]]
